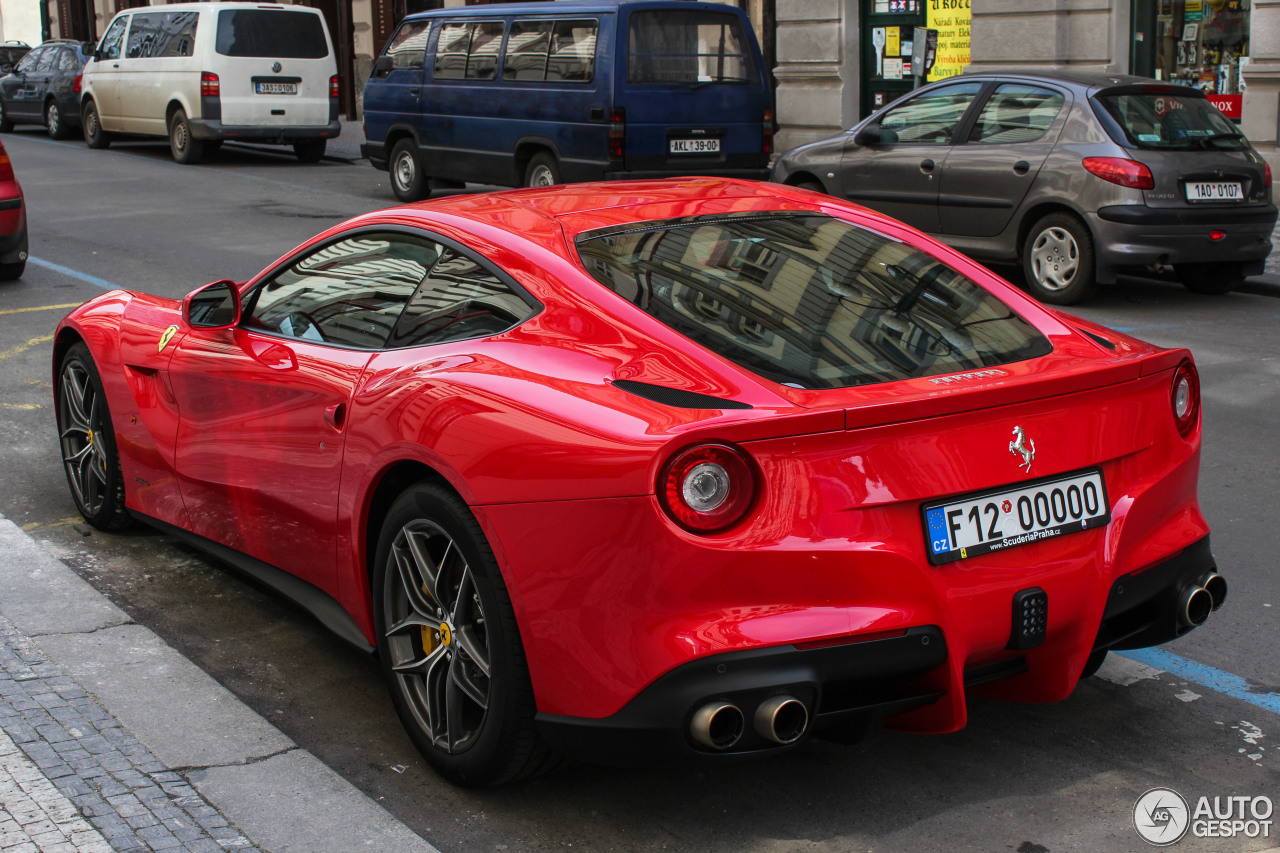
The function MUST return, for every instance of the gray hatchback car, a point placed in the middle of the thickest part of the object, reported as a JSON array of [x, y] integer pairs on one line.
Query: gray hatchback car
[[1074, 175]]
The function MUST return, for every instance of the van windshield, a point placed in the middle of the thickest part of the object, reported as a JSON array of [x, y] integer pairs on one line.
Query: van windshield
[[678, 47], [271, 33], [808, 300]]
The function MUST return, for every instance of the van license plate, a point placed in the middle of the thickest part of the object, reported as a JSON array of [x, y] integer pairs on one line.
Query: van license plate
[[695, 146], [276, 88], [1214, 191], [1015, 515]]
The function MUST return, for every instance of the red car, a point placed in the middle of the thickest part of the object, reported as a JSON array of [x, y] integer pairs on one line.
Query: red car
[[13, 222], [628, 470]]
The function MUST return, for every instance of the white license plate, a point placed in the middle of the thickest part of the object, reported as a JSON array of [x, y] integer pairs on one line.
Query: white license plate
[[276, 88], [1015, 515], [1214, 191], [695, 146]]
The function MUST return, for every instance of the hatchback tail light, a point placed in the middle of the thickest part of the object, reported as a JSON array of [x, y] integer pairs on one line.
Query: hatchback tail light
[[766, 144], [75, 86], [1184, 396], [1266, 175], [210, 87], [335, 83], [617, 133], [1122, 171], [707, 488], [6, 166]]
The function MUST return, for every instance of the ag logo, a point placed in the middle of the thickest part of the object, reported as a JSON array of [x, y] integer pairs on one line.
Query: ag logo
[[166, 337], [1161, 816]]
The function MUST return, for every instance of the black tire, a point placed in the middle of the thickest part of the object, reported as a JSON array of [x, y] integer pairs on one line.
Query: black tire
[[1210, 279], [812, 186], [542, 171], [448, 642], [1094, 663], [310, 150], [186, 149], [94, 135], [9, 272], [1057, 260], [88, 442], [6, 126], [53, 123], [405, 168]]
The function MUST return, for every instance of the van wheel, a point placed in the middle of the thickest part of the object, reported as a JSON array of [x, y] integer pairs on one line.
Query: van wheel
[[94, 135], [1210, 279], [542, 171], [53, 122], [1057, 260], [185, 147], [407, 180], [310, 151]]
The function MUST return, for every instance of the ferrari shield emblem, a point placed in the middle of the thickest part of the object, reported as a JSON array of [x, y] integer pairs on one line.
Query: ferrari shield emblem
[[166, 337]]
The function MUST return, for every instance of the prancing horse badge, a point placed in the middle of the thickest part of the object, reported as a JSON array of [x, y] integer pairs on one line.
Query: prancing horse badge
[[1021, 447], [166, 337]]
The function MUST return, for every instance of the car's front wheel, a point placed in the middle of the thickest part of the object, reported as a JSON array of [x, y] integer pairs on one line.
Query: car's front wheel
[[88, 443], [186, 149], [53, 123], [405, 167], [1210, 279], [1057, 260], [94, 135], [448, 642]]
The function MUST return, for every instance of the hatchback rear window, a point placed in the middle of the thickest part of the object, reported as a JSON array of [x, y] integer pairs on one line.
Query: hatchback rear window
[[808, 300], [678, 47], [1164, 120], [271, 33]]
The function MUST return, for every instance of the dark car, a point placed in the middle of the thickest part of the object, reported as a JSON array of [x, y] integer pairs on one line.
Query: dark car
[[1074, 175], [10, 53], [44, 88]]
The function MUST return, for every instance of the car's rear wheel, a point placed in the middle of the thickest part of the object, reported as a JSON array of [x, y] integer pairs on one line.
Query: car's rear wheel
[[407, 180], [310, 150], [1057, 260], [5, 125], [448, 642], [543, 171], [53, 123], [1210, 279], [186, 149], [94, 135], [88, 443]]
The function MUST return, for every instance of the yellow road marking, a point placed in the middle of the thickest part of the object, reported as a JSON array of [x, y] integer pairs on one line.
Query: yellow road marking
[[35, 525], [21, 348], [41, 308], [26, 407]]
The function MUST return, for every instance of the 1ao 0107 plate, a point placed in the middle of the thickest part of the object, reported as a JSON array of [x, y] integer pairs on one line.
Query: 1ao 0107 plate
[[969, 525]]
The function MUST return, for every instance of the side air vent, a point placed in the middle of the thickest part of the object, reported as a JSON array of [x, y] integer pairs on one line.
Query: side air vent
[[677, 398], [1100, 339]]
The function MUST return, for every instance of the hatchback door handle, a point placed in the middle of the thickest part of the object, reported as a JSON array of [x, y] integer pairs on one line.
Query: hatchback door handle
[[1021, 167], [335, 415]]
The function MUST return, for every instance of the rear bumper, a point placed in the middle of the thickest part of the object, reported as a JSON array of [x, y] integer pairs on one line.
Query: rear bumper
[[213, 129], [1137, 235]]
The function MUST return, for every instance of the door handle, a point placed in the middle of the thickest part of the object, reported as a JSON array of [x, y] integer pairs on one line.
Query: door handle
[[336, 415], [1021, 167], [926, 165], [414, 91]]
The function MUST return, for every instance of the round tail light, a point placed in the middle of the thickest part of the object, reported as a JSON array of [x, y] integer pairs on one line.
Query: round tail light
[[707, 488], [1184, 396]]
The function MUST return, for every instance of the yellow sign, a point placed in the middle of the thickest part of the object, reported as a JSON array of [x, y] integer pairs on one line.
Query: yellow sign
[[166, 337], [951, 19], [892, 46]]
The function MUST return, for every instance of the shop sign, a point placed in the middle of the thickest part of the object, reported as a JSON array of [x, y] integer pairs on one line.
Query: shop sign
[[951, 19], [1232, 106]]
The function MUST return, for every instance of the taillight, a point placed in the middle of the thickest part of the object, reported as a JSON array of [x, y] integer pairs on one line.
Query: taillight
[[766, 143], [617, 132], [334, 82], [1266, 175], [209, 85], [75, 86], [707, 488], [6, 166], [1122, 171], [1184, 396]]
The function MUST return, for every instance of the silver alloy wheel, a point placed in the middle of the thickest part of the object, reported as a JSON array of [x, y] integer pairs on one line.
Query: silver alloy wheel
[[541, 176], [83, 423], [436, 635], [1055, 258], [404, 170], [53, 119]]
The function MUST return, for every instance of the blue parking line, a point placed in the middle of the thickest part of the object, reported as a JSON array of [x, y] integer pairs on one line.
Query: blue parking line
[[76, 274], [1206, 676]]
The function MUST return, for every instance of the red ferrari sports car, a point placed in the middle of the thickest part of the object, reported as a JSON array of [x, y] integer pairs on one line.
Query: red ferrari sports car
[[13, 222], [670, 468]]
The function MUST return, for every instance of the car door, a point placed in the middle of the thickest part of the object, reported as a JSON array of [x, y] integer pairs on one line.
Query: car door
[[898, 172], [396, 93], [104, 74], [18, 86], [986, 177], [264, 407]]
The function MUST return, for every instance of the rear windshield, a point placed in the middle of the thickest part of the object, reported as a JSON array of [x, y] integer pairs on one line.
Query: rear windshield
[[1162, 120], [808, 300], [271, 33], [677, 47]]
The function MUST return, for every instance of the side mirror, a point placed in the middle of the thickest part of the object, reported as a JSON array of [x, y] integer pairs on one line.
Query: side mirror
[[869, 135], [97, 55], [382, 66], [214, 306]]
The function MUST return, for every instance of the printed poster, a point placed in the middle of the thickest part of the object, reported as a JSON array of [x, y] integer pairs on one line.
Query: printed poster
[[951, 19]]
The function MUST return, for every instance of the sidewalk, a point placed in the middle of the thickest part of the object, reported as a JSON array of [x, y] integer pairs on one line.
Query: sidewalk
[[112, 741]]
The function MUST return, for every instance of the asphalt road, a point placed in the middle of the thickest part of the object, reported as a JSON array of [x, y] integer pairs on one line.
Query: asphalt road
[[1027, 778]]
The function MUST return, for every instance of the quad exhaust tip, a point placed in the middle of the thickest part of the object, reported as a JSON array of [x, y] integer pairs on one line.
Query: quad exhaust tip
[[1194, 606], [1216, 585], [717, 725], [781, 719]]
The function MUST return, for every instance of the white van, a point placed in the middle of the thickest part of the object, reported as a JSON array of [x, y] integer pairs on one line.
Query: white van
[[203, 73]]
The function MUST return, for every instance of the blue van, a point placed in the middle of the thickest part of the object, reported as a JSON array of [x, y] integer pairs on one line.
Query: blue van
[[530, 94]]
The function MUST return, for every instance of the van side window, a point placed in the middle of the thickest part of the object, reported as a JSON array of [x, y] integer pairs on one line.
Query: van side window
[[162, 34], [110, 46], [408, 46], [468, 50], [142, 36], [678, 47], [551, 50]]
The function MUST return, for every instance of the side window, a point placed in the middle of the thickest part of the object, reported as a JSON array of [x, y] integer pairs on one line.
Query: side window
[[142, 36], [1016, 113], [177, 35], [68, 61], [468, 51], [459, 299], [482, 59], [931, 118], [28, 62], [48, 60], [551, 50], [451, 51], [349, 293], [110, 44], [408, 46]]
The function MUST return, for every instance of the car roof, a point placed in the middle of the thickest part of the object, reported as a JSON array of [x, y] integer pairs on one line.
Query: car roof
[[1090, 79], [565, 7]]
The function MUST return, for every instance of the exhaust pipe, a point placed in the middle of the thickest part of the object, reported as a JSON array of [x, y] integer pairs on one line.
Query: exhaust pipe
[[1194, 606], [717, 725], [781, 719], [1216, 585]]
